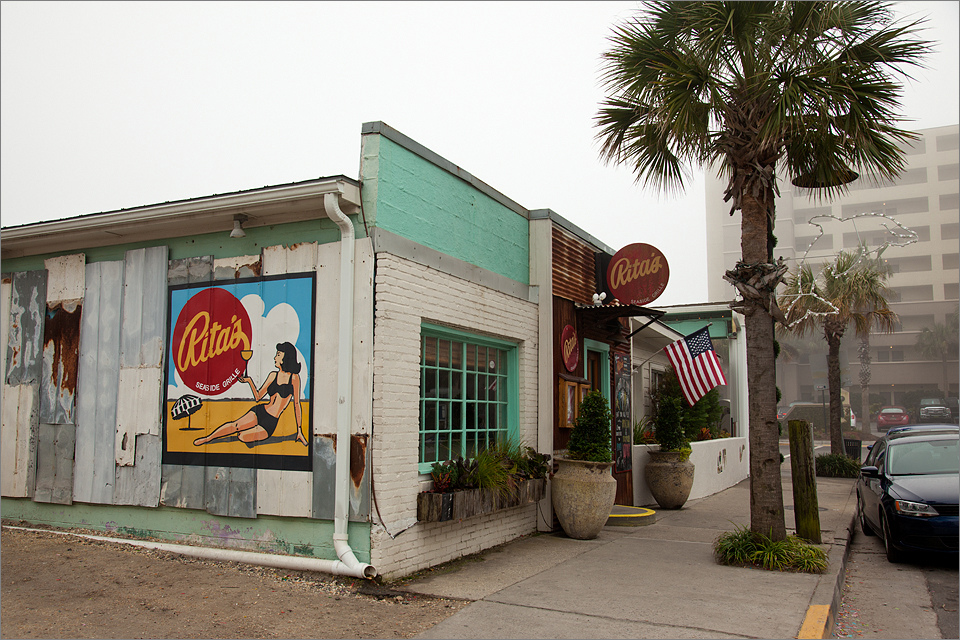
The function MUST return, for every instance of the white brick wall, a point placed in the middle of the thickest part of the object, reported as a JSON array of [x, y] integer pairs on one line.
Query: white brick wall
[[406, 295]]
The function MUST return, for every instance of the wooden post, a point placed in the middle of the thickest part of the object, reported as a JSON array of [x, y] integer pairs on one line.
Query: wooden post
[[805, 507]]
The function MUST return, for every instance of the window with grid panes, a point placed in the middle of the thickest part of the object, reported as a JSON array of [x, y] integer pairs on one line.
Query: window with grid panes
[[468, 394]]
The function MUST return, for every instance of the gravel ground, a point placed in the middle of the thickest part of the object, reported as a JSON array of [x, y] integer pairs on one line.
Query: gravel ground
[[57, 586]]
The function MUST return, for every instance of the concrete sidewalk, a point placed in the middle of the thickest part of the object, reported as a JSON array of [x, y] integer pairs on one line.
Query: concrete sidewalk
[[654, 581]]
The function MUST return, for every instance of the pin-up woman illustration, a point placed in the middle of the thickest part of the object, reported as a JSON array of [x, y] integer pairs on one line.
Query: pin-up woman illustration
[[283, 387]]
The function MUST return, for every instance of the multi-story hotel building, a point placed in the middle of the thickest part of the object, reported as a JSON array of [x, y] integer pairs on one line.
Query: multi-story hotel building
[[923, 201]]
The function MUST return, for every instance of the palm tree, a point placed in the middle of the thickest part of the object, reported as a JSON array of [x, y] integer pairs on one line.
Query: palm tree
[[939, 343], [852, 289], [807, 88]]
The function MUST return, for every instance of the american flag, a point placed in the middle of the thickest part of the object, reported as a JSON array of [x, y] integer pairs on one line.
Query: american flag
[[696, 364]]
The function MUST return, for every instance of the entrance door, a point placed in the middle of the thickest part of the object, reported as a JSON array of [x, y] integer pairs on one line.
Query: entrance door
[[597, 372]]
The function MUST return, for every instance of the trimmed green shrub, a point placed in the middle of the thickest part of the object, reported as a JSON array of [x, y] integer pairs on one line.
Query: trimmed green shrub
[[837, 465], [590, 439], [744, 548]]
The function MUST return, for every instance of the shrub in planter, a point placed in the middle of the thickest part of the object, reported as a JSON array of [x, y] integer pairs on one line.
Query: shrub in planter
[[669, 473], [583, 489]]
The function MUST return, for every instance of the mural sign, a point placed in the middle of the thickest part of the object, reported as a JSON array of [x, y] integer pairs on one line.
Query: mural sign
[[638, 274], [623, 429], [239, 373]]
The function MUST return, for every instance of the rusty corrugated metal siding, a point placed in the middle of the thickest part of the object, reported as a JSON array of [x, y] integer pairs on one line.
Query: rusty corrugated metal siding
[[574, 270]]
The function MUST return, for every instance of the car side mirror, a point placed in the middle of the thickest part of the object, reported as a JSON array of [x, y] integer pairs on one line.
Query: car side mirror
[[869, 471]]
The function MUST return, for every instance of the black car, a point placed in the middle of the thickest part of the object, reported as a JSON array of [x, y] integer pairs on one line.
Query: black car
[[908, 490]]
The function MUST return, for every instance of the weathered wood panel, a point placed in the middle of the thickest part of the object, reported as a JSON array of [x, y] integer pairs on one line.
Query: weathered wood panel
[[19, 424], [97, 384], [65, 278], [61, 359], [55, 463], [183, 486], [28, 306], [6, 288], [324, 476], [237, 267], [287, 493], [140, 484], [231, 491], [141, 348]]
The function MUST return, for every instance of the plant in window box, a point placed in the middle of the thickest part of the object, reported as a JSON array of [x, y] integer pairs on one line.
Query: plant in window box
[[499, 477], [583, 488]]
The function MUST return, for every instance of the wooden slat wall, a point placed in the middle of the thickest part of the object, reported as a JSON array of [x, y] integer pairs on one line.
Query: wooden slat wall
[[139, 386], [574, 268], [20, 415], [184, 486], [61, 355], [289, 493], [97, 384]]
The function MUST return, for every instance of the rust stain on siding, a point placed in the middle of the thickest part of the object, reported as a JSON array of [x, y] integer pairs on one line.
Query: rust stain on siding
[[62, 332], [358, 457]]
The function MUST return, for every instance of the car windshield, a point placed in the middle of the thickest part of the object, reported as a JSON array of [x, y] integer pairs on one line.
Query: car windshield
[[926, 457]]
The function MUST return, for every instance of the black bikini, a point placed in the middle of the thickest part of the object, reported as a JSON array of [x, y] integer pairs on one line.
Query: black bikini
[[264, 419], [284, 390]]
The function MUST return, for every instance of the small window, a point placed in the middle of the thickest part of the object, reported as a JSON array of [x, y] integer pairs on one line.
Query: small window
[[468, 394]]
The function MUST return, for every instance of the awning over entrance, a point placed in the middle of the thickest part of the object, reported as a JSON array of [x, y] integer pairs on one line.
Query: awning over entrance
[[606, 317]]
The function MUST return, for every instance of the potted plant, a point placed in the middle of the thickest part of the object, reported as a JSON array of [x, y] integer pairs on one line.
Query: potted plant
[[669, 472], [583, 489]]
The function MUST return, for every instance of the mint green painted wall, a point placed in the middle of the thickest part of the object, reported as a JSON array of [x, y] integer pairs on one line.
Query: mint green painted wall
[[265, 534], [219, 245], [422, 202]]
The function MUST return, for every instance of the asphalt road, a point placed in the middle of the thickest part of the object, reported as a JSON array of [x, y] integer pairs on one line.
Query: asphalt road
[[913, 599]]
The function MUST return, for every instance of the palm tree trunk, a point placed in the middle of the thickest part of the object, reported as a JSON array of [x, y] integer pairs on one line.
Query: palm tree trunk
[[864, 352], [833, 382], [766, 491]]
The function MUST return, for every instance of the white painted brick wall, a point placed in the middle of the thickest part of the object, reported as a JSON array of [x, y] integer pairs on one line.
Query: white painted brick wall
[[408, 294]]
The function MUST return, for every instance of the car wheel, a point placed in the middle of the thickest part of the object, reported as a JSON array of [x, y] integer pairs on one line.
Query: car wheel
[[893, 554], [864, 525]]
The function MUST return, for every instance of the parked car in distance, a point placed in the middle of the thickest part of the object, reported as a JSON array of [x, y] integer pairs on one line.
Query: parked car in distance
[[934, 410], [908, 490], [892, 416], [954, 405]]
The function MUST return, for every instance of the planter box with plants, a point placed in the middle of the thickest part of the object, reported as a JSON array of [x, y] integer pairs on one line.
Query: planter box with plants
[[501, 477]]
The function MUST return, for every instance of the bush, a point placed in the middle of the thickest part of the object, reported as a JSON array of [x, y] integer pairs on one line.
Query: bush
[[837, 465], [499, 467], [744, 548], [703, 417], [670, 434], [590, 439]]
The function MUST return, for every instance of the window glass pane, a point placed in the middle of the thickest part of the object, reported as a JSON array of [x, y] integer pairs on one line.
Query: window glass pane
[[430, 352], [444, 383], [443, 421], [471, 444], [481, 358], [481, 387], [456, 444], [471, 422], [430, 386], [456, 385], [494, 422], [456, 355], [471, 357], [444, 358], [428, 451], [471, 386], [492, 388], [430, 415]]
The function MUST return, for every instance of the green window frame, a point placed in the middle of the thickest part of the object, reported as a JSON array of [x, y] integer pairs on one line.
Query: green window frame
[[469, 393]]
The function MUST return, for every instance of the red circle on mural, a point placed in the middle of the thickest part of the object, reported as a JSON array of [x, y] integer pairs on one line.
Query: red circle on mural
[[570, 348], [211, 332], [638, 274]]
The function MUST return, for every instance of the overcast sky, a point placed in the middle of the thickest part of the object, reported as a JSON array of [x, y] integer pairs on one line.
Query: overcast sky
[[122, 104]]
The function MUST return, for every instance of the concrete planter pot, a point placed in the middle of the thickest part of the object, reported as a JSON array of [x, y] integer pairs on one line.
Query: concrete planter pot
[[669, 476], [583, 495]]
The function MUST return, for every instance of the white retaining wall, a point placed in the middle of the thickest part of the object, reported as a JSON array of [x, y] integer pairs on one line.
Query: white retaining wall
[[719, 464], [408, 294]]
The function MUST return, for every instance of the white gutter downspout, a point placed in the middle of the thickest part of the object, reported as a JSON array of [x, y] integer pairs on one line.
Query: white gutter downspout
[[344, 391]]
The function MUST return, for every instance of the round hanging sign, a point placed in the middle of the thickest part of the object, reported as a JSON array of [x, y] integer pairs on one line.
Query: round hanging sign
[[638, 274], [570, 348], [210, 333]]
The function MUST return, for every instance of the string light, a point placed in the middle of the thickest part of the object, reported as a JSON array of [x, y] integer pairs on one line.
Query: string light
[[900, 237]]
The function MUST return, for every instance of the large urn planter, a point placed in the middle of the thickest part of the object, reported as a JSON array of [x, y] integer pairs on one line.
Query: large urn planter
[[669, 476], [583, 494]]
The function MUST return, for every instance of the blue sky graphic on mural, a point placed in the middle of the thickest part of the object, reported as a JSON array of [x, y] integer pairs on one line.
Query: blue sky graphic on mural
[[280, 310]]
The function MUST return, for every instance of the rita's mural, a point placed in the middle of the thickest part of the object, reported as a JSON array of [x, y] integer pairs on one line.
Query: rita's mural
[[238, 373]]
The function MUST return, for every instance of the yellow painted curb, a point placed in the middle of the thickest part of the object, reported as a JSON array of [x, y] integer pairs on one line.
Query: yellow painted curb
[[639, 511], [815, 624]]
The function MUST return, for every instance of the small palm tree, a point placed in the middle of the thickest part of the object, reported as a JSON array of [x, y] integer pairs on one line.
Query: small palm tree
[[941, 342], [808, 89], [863, 350], [851, 290]]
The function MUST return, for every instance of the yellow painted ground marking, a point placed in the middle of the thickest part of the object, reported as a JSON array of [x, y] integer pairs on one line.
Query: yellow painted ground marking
[[638, 511], [815, 624]]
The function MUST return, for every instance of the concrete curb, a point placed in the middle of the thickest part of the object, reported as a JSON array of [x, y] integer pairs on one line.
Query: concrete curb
[[827, 597]]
